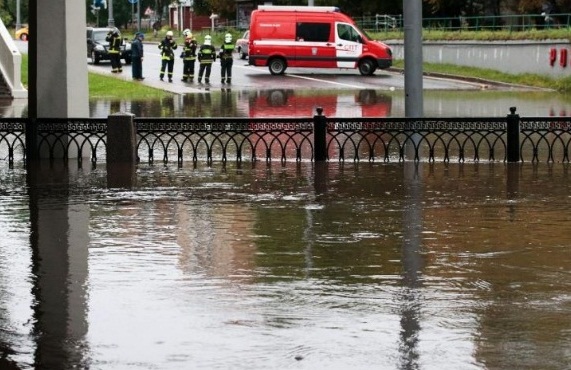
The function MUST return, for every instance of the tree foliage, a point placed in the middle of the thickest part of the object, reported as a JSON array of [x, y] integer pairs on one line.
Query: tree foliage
[[227, 8], [8, 12]]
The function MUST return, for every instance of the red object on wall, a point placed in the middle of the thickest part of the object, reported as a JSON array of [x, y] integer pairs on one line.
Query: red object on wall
[[563, 57], [552, 56]]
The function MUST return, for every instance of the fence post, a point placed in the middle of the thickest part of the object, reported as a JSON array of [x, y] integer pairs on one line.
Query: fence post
[[121, 150], [319, 136], [513, 136], [32, 152], [121, 138]]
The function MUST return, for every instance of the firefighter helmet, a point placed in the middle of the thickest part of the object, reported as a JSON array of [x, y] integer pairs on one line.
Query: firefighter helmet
[[227, 37], [169, 34], [207, 40], [187, 33]]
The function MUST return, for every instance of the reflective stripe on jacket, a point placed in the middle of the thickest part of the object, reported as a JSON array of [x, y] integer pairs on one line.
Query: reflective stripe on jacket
[[115, 43], [206, 54], [167, 47]]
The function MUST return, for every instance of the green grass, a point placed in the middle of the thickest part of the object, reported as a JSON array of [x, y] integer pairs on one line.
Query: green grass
[[101, 86], [443, 35], [562, 85]]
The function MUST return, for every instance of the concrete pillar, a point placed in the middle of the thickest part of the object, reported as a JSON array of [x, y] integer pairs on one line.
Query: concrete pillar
[[61, 85], [57, 70]]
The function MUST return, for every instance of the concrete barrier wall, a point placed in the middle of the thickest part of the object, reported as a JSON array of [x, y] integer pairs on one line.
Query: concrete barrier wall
[[551, 57]]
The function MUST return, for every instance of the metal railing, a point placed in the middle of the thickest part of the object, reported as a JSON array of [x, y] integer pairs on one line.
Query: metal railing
[[512, 22], [511, 138]]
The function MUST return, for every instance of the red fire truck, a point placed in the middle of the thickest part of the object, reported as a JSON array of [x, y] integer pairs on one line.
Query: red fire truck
[[312, 37]]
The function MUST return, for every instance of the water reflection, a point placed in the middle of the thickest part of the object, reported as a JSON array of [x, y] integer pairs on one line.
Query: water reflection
[[59, 240], [282, 102], [406, 265], [411, 296], [338, 103]]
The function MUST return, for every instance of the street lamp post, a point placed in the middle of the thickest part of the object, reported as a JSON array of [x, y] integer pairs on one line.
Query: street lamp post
[[180, 17], [111, 21], [18, 24]]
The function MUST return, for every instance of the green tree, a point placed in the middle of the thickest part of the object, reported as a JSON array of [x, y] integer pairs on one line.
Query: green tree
[[8, 12]]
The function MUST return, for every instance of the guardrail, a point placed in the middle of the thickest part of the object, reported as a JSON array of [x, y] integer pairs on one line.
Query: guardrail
[[510, 138], [511, 22]]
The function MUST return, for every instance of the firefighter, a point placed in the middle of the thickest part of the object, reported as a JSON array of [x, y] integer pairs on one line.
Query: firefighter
[[188, 56], [206, 56], [115, 42], [167, 46], [226, 60]]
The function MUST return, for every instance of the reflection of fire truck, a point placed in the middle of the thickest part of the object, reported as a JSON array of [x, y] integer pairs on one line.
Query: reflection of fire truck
[[286, 103]]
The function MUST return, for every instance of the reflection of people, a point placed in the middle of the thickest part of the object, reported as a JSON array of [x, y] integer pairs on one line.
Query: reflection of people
[[226, 59], [188, 56], [114, 39], [137, 56], [167, 46], [206, 56]]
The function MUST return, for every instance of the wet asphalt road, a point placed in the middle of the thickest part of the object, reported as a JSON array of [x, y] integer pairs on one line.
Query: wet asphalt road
[[248, 77], [259, 78]]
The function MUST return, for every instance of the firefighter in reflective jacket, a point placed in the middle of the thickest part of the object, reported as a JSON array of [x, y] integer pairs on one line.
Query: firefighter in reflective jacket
[[115, 42], [206, 56], [188, 56], [226, 59], [167, 46]]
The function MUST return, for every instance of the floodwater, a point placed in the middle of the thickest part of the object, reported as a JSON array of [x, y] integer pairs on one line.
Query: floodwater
[[335, 103], [286, 266], [338, 103]]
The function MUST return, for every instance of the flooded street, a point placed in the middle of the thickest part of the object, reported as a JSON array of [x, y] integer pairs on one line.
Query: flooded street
[[337, 103], [301, 266], [271, 265]]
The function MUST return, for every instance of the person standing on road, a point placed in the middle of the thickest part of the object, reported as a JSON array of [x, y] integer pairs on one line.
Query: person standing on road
[[188, 56], [137, 56], [206, 56], [115, 42], [226, 59], [167, 46]]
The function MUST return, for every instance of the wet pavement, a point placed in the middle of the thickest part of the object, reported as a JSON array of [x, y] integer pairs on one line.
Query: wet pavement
[[259, 78]]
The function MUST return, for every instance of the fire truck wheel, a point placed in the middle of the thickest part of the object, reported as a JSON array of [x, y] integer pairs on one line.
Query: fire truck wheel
[[277, 66], [367, 67]]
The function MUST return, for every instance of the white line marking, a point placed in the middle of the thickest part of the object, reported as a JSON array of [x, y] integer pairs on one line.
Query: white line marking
[[310, 78]]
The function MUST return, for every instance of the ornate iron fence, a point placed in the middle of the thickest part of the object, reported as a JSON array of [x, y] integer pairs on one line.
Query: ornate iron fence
[[540, 139], [12, 139], [240, 138], [427, 138]]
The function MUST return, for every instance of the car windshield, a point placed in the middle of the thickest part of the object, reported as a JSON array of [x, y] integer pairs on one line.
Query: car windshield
[[99, 36]]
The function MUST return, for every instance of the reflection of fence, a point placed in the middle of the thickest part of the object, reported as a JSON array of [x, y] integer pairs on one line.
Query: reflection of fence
[[545, 139]]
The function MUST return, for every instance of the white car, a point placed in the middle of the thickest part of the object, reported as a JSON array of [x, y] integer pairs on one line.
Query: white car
[[242, 45]]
